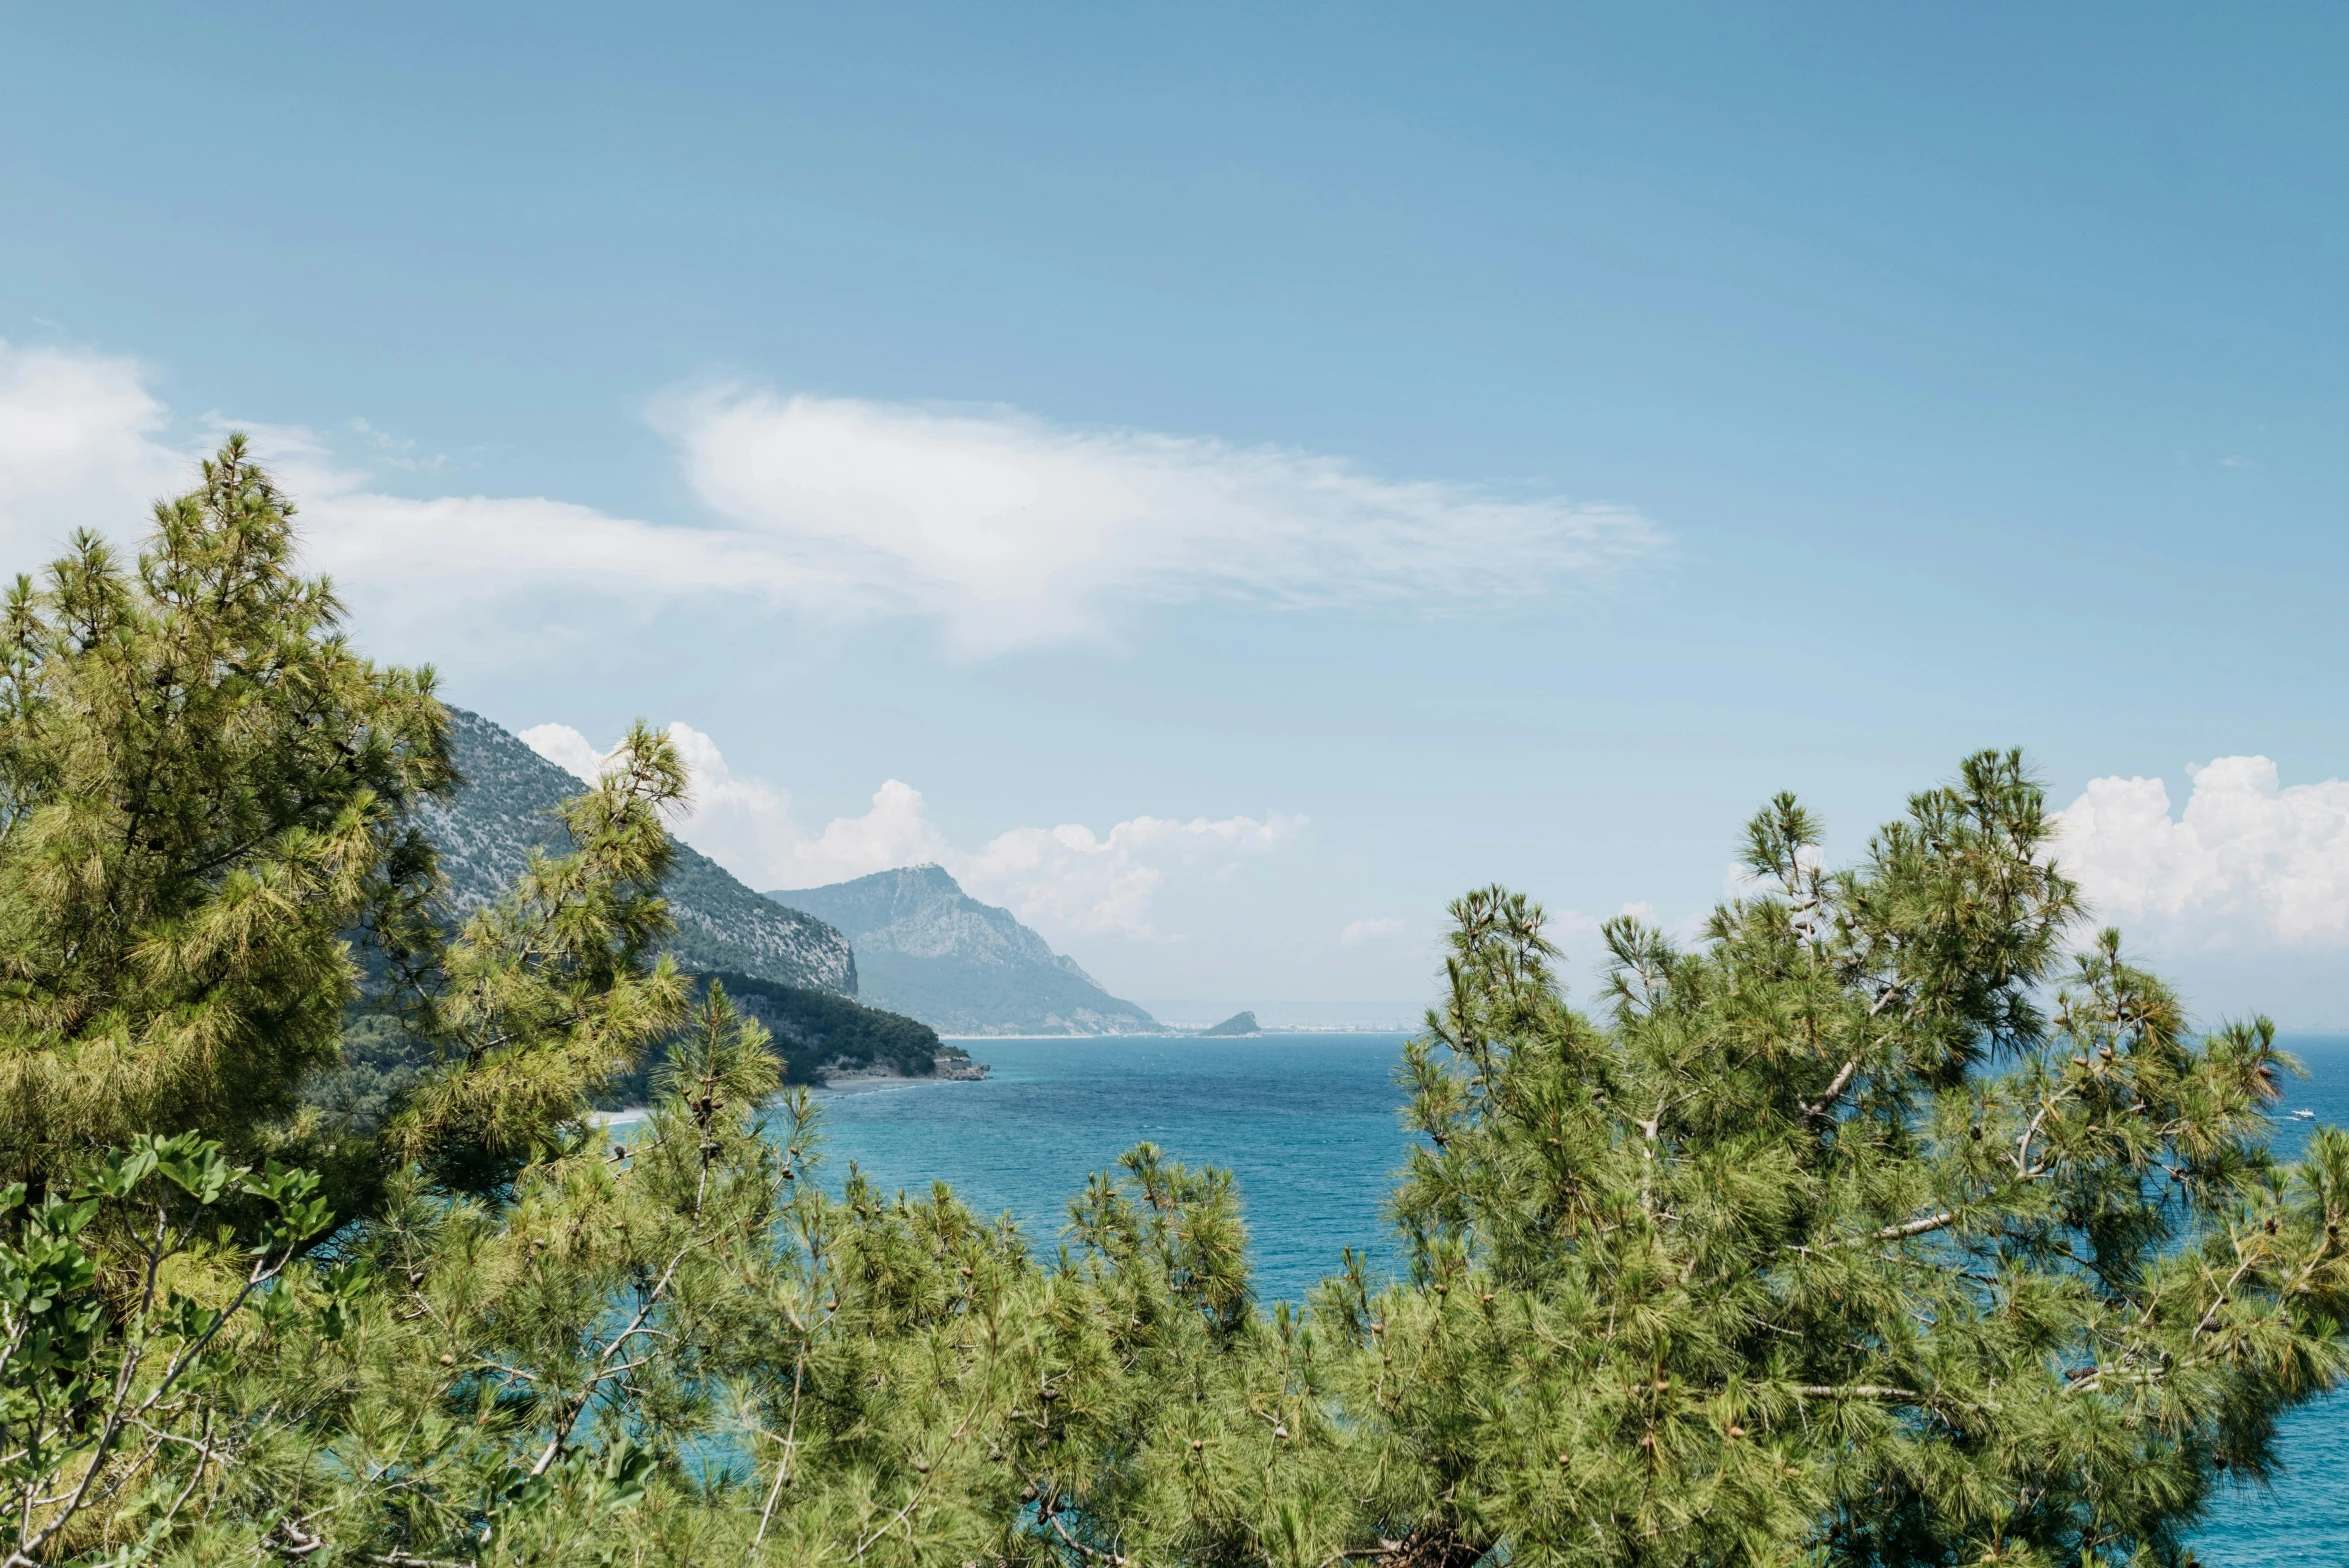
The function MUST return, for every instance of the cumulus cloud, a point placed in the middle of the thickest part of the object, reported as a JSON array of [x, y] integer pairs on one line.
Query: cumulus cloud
[[1070, 879], [1066, 880], [1358, 932], [895, 831], [567, 749], [1010, 530], [747, 825], [80, 447], [2248, 864]]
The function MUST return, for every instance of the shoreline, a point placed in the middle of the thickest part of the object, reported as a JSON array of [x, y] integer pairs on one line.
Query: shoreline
[[860, 1081], [868, 1083], [1197, 1034]]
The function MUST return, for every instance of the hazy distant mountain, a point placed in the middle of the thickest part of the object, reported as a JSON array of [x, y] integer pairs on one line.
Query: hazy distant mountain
[[1239, 1025], [486, 834], [929, 950]]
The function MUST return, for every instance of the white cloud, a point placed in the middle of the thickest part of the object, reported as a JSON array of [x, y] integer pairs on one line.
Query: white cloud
[[1066, 880], [567, 749], [1360, 931], [1070, 879], [895, 832], [433, 565], [1005, 530], [1013, 531], [747, 825], [2247, 865], [83, 442], [80, 447], [1052, 532], [397, 451]]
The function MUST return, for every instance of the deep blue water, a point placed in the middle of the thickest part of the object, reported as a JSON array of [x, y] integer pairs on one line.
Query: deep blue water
[[1308, 1123]]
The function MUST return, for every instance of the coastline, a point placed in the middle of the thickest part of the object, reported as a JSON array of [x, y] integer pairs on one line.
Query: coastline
[[856, 1080], [868, 1083], [1172, 1032]]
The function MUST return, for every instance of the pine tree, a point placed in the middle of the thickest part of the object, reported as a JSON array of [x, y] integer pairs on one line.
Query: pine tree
[[1831, 1241], [1882, 1223], [203, 790], [1826, 1243], [547, 994]]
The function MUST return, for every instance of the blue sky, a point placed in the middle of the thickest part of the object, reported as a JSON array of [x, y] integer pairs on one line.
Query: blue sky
[[1364, 452]]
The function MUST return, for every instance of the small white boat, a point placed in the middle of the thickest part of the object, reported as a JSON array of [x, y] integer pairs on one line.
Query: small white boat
[[2304, 1116]]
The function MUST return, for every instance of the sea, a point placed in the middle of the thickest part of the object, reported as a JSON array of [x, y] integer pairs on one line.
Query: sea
[[1308, 1123]]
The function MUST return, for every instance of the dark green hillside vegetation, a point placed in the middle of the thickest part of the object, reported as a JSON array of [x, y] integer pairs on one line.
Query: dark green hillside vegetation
[[1881, 1225], [811, 1031]]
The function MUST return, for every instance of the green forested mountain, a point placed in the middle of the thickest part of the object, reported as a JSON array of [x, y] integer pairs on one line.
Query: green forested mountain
[[505, 809], [928, 949], [819, 1035]]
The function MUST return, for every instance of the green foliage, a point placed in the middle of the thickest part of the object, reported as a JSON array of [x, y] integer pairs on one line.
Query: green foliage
[[547, 994], [383, 1057], [812, 1031], [202, 788], [1876, 1227], [1828, 1241], [1741, 1272], [685, 1349], [93, 1394]]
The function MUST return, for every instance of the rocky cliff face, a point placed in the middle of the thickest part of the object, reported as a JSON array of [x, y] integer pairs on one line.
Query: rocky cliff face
[[505, 810], [929, 950]]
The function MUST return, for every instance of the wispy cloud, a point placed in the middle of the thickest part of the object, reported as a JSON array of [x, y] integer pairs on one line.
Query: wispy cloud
[[2249, 864], [1358, 932], [431, 567], [1001, 529], [1066, 880], [1010, 530], [397, 451]]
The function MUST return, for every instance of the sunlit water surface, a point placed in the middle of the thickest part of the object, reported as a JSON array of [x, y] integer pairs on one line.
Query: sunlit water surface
[[1308, 1124]]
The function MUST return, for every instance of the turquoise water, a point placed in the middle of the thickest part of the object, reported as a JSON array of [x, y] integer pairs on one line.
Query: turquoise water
[[1307, 1122]]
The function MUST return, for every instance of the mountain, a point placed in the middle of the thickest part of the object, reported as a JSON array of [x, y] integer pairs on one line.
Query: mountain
[[929, 950], [821, 1038], [505, 809], [1239, 1025]]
